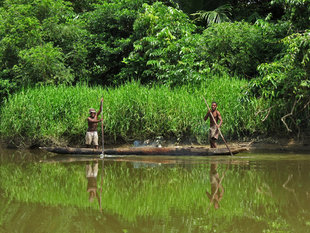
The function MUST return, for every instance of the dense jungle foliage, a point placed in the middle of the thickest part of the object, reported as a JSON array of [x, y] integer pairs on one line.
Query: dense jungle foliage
[[171, 43]]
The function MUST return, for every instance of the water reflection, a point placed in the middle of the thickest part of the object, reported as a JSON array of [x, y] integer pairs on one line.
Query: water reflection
[[137, 196], [101, 185], [217, 190], [91, 176]]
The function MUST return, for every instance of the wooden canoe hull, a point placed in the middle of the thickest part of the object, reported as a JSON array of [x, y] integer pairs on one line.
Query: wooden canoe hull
[[173, 151]]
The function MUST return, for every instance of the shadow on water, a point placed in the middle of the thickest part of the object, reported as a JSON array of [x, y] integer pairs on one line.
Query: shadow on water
[[251, 192]]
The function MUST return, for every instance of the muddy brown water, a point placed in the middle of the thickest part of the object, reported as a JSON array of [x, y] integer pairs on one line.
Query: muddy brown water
[[257, 191]]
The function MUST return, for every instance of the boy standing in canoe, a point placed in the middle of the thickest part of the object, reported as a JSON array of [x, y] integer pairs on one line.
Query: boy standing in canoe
[[92, 134], [214, 127]]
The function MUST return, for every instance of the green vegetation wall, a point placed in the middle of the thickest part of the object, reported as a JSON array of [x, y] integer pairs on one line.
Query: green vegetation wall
[[50, 115]]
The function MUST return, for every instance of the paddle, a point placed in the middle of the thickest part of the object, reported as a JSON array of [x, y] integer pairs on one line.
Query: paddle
[[217, 126], [102, 132]]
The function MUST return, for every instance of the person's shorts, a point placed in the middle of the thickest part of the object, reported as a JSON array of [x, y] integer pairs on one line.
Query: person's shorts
[[92, 170], [214, 133], [91, 137]]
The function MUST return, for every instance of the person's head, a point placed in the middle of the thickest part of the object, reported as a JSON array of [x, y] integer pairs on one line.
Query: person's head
[[214, 105], [92, 112]]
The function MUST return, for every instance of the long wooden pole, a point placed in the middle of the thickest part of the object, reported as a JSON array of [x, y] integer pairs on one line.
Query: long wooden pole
[[217, 126], [102, 132]]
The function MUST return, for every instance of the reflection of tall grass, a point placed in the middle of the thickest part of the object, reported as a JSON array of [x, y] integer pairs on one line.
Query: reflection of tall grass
[[58, 114], [46, 184], [144, 192]]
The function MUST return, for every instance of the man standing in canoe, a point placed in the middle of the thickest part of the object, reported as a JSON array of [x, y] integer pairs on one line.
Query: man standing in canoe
[[92, 134], [214, 127]]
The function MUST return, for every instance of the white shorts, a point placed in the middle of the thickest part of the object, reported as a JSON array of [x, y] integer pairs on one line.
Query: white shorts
[[92, 170], [91, 137]]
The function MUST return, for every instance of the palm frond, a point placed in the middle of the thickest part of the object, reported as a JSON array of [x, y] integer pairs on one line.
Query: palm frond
[[219, 15]]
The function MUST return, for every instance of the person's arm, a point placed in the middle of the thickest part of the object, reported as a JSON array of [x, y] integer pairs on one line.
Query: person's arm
[[100, 109], [93, 120], [207, 115], [220, 118]]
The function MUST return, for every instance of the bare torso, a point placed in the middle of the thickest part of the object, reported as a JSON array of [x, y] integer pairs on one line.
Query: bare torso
[[92, 124], [217, 116]]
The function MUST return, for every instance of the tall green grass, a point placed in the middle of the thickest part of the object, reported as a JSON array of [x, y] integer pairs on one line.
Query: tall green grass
[[57, 115]]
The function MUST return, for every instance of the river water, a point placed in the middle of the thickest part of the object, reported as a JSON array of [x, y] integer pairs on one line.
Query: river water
[[249, 192]]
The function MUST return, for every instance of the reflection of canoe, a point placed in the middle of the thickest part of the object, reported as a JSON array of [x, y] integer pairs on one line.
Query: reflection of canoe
[[201, 151]]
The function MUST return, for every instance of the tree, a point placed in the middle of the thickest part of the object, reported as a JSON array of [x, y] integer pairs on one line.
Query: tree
[[42, 65], [297, 12], [28, 26], [238, 48], [19, 29], [165, 49], [111, 28], [285, 84]]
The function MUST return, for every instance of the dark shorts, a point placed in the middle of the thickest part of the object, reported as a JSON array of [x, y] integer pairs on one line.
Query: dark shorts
[[214, 133]]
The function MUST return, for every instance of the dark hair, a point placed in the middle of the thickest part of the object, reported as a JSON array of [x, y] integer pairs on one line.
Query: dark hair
[[214, 103]]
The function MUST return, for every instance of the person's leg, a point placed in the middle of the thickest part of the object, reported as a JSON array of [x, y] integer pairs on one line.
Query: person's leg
[[212, 136], [88, 139], [209, 137], [95, 169], [215, 137], [212, 143], [88, 170], [95, 139]]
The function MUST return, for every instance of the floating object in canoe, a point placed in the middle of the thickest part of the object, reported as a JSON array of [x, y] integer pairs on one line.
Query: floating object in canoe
[[173, 151]]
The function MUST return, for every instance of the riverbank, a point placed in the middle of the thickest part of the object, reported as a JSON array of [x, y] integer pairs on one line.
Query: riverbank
[[274, 145], [282, 145], [267, 145]]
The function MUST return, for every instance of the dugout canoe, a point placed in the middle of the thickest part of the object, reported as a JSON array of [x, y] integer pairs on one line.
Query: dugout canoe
[[173, 151]]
